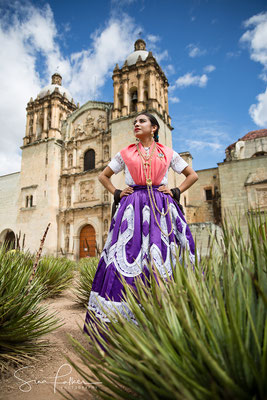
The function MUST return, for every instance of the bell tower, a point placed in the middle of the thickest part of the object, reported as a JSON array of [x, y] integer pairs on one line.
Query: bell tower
[[38, 202], [139, 85], [46, 113]]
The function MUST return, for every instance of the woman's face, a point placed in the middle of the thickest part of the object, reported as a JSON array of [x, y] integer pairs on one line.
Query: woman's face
[[143, 127]]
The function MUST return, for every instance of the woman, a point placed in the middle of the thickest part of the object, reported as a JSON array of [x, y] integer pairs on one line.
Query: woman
[[147, 226]]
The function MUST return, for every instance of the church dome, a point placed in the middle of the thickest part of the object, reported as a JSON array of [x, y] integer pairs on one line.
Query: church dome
[[139, 50], [56, 83], [252, 135], [255, 134]]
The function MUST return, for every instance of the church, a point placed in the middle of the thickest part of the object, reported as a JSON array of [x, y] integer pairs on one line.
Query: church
[[66, 146]]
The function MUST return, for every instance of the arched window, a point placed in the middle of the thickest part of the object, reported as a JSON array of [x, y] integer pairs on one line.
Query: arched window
[[31, 201], [105, 225], [259, 154], [39, 126], [120, 98], [70, 160], [146, 99], [133, 100], [105, 195], [106, 152], [89, 160]]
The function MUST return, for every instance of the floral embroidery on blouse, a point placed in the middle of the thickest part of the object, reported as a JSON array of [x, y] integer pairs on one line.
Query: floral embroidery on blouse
[[178, 164]]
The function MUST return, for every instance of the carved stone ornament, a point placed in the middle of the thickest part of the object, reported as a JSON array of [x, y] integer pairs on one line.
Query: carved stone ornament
[[262, 197], [89, 124], [78, 130], [106, 152], [87, 189], [101, 122]]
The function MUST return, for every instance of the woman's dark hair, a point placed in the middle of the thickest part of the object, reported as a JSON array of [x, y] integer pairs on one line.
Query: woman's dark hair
[[154, 122]]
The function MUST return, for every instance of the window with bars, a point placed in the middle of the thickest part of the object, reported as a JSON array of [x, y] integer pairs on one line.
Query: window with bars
[[208, 194], [89, 160]]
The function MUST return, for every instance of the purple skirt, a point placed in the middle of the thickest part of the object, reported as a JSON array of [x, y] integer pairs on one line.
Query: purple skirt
[[134, 240]]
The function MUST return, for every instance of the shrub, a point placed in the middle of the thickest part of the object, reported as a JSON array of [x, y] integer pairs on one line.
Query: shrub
[[203, 335], [55, 274], [22, 320], [87, 268]]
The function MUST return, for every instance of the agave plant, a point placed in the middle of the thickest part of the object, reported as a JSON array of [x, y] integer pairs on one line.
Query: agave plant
[[87, 268], [55, 274], [201, 335], [22, 320]]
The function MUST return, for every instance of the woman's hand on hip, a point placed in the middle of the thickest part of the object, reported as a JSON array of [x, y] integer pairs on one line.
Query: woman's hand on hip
[[165, 190], [125, 192]]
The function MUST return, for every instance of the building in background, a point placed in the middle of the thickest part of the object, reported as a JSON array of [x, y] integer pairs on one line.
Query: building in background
[[66, 147]]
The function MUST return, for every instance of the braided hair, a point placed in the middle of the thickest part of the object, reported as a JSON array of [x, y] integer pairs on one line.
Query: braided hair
[[154, 122]]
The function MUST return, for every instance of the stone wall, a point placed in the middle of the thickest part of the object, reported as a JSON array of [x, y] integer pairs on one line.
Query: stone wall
[[40, 171], [8, 201], [200, 207], [238, 189], [204, 234]]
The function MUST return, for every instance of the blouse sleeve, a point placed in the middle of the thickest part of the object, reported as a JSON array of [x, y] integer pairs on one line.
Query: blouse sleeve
[[117, 164], [178, 164]]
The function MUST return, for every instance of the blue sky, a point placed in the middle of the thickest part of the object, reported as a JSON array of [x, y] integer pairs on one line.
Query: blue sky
[[213, 52]]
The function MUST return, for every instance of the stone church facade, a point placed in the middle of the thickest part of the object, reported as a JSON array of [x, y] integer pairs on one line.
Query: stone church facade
[[66, 147]]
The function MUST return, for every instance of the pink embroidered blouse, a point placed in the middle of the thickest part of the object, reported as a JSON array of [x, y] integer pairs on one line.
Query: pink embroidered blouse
[[163, 158]]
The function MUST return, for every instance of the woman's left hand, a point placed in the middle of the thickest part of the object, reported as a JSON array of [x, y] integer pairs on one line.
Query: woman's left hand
[[165, 190]]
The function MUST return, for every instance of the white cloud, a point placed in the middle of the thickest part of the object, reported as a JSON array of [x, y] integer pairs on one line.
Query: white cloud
[[256, 39], [200, 145], [169, 69], [90, 67], [204, 137], [209, 68], [258, 112], [153, 38], [161, 56], [29, 32], [174, 99], [192, 80], [195, 51], [233, 54]]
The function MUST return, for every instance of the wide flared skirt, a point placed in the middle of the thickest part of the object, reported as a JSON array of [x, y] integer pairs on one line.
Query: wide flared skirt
[[136, 239]]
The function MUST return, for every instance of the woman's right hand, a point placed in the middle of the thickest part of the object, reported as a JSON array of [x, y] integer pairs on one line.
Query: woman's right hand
[[125, 192]]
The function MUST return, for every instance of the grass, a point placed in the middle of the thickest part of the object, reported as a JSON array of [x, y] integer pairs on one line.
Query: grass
[[23, 321], [87, 268], [201, 335]]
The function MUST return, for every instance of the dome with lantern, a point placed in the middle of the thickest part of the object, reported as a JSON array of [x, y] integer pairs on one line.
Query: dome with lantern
[[139, 51], [56, 84]]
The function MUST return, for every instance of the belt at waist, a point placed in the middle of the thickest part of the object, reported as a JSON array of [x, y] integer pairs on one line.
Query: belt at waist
[[139, 187]]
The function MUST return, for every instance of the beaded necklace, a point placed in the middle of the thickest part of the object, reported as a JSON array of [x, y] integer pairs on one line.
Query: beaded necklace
[[146, 162]]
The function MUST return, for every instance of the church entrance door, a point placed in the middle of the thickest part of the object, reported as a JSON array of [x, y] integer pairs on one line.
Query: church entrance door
[[87, 242]]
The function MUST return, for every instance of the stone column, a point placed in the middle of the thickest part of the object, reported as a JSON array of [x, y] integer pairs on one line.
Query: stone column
[[76, 247], [125, 108], [74, 161], [53, 109], [34, 123], [140, 102], [45, 125], [116, 92], [65, 159], [161, 98], [166, 99], [27, 125]]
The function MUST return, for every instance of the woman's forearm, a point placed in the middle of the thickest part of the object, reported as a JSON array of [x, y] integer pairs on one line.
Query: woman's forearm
[[188, 182], [106, 182]]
